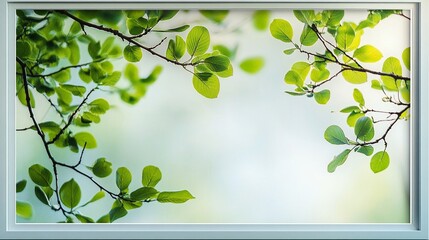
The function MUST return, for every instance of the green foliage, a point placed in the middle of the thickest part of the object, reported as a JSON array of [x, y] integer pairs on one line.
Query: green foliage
[[102, 168], [70, 194], [380, 161], [364, 129], [338, 160], [133, 53], [197, 41], [20, 186], [85, 138], [151, 175], [406, 57], [174, 197], [176, 49], [123, 179], [216, 16], [335, 135], [261, 19], [24, 209], [252, 65], [282, 30], [40, 175], [392, 66]]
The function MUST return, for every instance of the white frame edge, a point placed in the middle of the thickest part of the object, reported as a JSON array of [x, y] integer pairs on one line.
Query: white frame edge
[[419, 171]]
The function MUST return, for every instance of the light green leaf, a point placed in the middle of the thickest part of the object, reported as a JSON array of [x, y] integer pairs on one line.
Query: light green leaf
[[206, 84], [350, 109], [333, 17], [305, 16], [85, 75], [104, 219], [366, 150], [335, 135], [406, 57], [391, 66], [358, 97], [380, 161], [143, 193], [85, 137], [302, 68], [282, 30], [353, 117], [123, 179], [376, 85], [70, 194], [227, 73], [20, 186], [111, 79], [102, 168], [404, 89], [23, 209], [197, 41], [319, 75], [176, 49], [293, 77], [216, 16], [174, 197], [322, 97], [289, 51], [217, 63], [74, 52], [368, 53], [99, 195], [131, 72], [176, 29], [94, 49], [345, 36], [64, 96], [363, 127], [252, 65], [133, 53], [338, 160], [308, 36], [62, 76], [99, 106], [40, 175], [355, 77], [261, 19], [107, 45], [151, 175]]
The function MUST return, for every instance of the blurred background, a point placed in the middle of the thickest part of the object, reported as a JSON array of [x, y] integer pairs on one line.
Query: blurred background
[[254, 154]]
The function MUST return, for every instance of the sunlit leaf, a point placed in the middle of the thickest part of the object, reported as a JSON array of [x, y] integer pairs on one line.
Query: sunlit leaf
[[380, 161], [206, 84], [197, 41], [282, 30], [174, 197], [322, 97], [133, 53], [23, 209], [252, 65], [86, 137], [102, 168], [368, 53]]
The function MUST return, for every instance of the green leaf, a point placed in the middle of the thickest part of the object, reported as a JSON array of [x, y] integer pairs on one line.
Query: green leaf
[[133, 53], [308, 36], [128, 205], [261, 19], [174, 197], [333, 17], [216, 16], [206, 84], [404, 89], [293, 77], [176, 49], [225, 51], [104, 219], [350, 109], [90, 117], [176, 29], [366, 150], [117, 213], [322, 97], [133, 26], [367, 53], [305, 16], [380, 161], [107, 45], [217, 63], [75, 90], [102, 168], [319, 75], [281, 30], [302, 68], [358, 97], [96, 72], [85, 75], [99, 106], [123, 179], [23, 209], [23, 49], [338, 160], [355, 77], [143, 193], [372, 20], [40, 175], [391, 66], [295, 93], [252, 65], [85, 137], [335, 135], [74, 52], [84, 219], [376, 85], [227, 73], [363, 127], [197, 41], [131, 72], [41, 195], [64, 96], [151, 175], [62, 76], [406, 57], [111, 79], [94, 49], [70, 194], [20, 186], [289, 51], [345, 36], [353, 117]]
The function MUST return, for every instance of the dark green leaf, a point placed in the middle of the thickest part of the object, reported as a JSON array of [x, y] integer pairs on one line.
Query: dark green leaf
[[143, 193], [41, 195], [94, 49], [338, 160], [62, 76], [345, 36], [406, 57], [70, 194], [176, 49], [350, 109], [104, 219], [305, 16], [20, 186], [174, 197], [102, 168], [308, 36], [74, 52], [217, 63], [391, 66], [363, 127], [289, 51], [99, 195], [40, 175], [335, 135], [261, 19], [151, 175], [380, 161]]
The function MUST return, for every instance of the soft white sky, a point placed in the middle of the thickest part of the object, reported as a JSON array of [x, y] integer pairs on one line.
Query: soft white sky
[[254, 154]]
